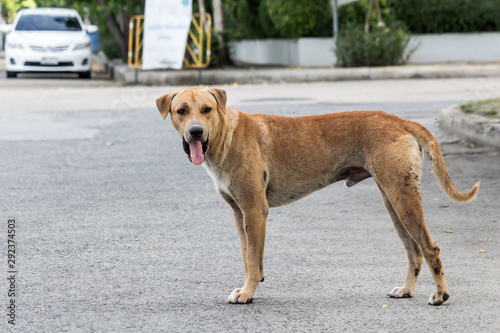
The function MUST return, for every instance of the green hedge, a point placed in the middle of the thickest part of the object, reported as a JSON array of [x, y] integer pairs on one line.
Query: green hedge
[[300, 18], [440, 16], [248, 19], [256, 19]]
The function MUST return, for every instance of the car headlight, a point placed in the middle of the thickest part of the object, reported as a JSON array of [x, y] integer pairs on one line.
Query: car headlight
[[85, 45], [15, 45]]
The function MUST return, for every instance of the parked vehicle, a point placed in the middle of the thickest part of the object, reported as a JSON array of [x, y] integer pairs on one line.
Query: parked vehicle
[[48, 40]]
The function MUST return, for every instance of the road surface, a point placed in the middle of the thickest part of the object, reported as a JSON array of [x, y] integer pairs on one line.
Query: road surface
[[117, 232]]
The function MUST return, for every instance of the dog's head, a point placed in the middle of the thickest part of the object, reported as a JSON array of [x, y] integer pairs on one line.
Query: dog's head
[[196, 115]]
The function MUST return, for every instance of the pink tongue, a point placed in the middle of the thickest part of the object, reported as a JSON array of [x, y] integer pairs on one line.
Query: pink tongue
[[196, 152]]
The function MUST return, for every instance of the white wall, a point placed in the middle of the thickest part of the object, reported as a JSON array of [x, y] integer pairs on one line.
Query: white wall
[[313, 52], [318, 52], [307, 52], [264, 52], [436, 48]]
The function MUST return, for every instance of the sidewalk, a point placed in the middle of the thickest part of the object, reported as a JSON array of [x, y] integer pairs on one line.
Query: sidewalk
[[124, 75]]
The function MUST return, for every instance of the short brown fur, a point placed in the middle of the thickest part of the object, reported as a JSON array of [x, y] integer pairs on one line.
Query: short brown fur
[[259, 161]]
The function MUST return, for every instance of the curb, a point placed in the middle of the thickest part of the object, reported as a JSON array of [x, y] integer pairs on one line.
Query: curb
[[126, 76], [471, 127]]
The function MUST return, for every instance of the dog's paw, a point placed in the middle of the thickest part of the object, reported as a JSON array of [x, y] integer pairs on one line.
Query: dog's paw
[[400, 292], [438, 298], [238, 297]]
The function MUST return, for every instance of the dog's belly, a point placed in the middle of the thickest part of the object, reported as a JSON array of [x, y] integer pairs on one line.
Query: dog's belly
[[282, 194], [280, 198]]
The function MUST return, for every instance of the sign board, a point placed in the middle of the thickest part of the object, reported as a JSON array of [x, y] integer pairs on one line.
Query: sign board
[[166, 28]]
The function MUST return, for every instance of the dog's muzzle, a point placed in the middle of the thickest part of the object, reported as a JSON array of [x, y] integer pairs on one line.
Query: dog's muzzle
[[195, 150]]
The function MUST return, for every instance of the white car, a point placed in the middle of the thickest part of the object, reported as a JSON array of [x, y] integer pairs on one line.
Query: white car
[[48, 40]]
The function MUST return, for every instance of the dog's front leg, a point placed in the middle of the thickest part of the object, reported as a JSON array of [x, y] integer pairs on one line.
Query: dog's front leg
[[252, 236]]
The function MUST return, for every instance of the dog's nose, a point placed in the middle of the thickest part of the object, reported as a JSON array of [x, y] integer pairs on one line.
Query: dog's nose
[[196, 132]]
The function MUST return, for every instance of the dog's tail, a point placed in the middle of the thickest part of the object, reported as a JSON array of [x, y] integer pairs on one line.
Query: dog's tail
[[430, 145]]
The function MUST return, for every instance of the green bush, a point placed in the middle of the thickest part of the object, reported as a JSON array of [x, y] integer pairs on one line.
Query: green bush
[[299, 18], [380, 47], [441, 16], [249, 19]]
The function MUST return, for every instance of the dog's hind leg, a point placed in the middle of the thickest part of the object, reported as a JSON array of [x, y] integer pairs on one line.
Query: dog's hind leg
[[413, 254], [397, 172], [406, 203]]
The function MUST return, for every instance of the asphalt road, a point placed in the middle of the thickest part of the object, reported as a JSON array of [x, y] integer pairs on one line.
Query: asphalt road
[[117, 232]]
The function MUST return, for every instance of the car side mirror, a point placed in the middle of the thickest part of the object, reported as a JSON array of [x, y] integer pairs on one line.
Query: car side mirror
[[91, 28], [5, 28]]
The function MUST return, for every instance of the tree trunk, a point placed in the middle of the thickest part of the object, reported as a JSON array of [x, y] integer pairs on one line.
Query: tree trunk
[[125, 17], [114, 28], [1, 17], [220, 26], [367, 19]]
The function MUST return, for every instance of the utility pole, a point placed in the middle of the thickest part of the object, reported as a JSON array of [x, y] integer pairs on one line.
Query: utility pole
[[335, 8], [201, 5]]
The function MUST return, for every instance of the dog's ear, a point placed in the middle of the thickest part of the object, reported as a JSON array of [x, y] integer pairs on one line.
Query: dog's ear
[[163, 104], [220, 96]]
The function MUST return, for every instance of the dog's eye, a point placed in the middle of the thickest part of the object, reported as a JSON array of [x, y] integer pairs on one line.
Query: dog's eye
[[207, 110], [181, 111]]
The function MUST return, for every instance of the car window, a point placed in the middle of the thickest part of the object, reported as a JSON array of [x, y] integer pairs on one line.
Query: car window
[[39, 22]]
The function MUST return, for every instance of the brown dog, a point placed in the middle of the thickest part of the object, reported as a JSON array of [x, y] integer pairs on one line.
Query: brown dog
[[259, 161]]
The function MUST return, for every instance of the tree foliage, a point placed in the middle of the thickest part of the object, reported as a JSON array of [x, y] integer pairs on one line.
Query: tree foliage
[[249, 19], [442, 16], [278, 18], [11, 7], [299, 18]]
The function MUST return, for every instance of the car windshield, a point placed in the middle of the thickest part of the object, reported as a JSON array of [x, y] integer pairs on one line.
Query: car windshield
[[37, 22]]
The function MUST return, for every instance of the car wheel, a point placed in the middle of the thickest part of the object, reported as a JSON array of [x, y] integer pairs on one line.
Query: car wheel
[[11, 74], [84, 75]]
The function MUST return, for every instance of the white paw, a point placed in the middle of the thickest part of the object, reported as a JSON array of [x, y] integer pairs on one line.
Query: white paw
[[239, 297], [400, 292], [233, 298]]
